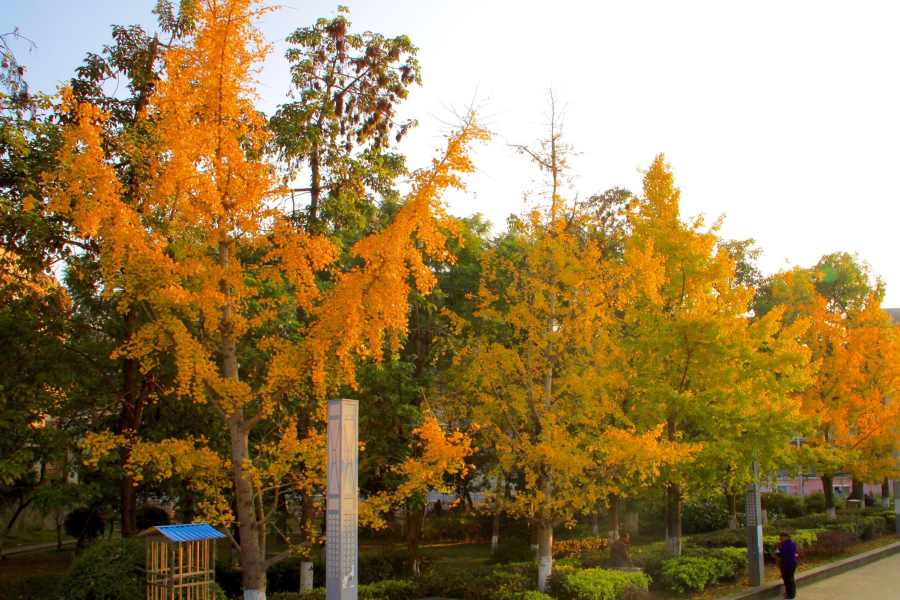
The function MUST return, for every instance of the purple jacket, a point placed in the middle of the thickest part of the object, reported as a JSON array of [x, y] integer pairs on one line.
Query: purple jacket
[[788, 553]]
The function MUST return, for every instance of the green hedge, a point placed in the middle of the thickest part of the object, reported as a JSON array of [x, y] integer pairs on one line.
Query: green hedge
[[694, 573], [107, 571], [598, 584]]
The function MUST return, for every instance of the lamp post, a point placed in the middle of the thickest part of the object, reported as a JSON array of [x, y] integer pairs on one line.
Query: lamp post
[[755, 569]]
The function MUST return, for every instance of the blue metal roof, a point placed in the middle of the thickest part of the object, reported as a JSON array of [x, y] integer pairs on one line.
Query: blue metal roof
[[185, 533]]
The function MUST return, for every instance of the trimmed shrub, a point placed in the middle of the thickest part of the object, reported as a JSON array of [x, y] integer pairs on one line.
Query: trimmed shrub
[[458, 528], [832, 543], [599, 584], [815, 503], [81, 518], [704, 516], [727, 538], [149, 515], [694, 573], [107, 571], [783, 505]]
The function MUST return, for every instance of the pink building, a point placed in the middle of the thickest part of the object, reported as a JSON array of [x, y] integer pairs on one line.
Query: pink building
[[842, 486]]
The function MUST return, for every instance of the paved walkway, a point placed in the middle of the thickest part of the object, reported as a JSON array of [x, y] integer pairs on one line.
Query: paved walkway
[[35, 548], [878, 581]]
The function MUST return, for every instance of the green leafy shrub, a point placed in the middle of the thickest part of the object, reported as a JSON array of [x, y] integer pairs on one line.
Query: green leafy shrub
[[736, 558], [727, 538], [694, 573], [873, 527], [814, 503], [510, 550], [313, 594], [457, 528], [599, 584], [107, 571], [779, 504], [704, 516], [83, 518], [390, 590], [479, 584], [149, 515]]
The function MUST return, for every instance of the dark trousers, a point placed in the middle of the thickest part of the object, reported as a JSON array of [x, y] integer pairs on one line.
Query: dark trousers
[[787, 574]]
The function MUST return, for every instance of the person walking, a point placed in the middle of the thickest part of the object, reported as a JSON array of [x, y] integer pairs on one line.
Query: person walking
[[787, 560]]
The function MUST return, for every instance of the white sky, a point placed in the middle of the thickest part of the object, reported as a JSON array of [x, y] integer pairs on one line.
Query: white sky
[[781, 115]]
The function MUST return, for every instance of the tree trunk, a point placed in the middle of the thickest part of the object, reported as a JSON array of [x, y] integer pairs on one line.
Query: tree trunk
[[129, 422], [613, 517], [631, 522], [885, 494], [414, 525], [253, 550], [314, 189], [307, 511], [535, 532], [859, 492], [545, 554], [828, 489], [673, 519], [495, 529], [59, 536], [595, 520], [731, 499]]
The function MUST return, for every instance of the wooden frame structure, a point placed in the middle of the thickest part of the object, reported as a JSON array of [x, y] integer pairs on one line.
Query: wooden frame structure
[[181, 562]]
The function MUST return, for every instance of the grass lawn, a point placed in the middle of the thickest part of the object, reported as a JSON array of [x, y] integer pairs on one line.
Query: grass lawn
[[34, 576]]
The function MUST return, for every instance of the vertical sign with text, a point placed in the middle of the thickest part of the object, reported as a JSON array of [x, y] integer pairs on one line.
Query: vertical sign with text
[[342, 494]]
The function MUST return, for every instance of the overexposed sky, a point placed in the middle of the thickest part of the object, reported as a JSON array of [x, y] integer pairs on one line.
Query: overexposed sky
[[781, 115]]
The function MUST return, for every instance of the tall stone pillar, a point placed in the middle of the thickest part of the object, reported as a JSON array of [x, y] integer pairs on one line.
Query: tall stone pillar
[[755, 568], [341, 511]]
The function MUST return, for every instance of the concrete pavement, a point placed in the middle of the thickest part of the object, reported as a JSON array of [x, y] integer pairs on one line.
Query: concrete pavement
[[877, 581]]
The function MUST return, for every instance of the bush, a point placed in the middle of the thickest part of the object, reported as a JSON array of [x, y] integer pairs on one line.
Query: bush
[[512, 550], [784, 505], [803, 538], [479, 585], [832, 543], [735, 557], [149, 515], [81, 518], [694, 573], [599, 584], [107, 571], [470, 527], [703, 516], [815, 503], [580, 548], [727, 538]]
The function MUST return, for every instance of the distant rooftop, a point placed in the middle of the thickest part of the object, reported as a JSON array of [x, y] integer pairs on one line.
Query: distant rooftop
[[895, 314]]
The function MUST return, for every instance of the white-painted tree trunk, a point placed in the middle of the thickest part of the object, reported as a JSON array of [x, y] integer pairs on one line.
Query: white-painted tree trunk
[[545, 567], [306, 576], [545, 555], [673, 544], [254, 594], [495, 541], [830, 514], [613, 535]]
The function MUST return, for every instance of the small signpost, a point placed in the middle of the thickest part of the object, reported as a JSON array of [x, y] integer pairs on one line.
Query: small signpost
[[341, 512], [755, 569]]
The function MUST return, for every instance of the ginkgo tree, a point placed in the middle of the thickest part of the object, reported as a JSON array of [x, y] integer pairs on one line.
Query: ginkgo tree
[[539, 362], [218, 270], [848, 416], [698, 363]]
